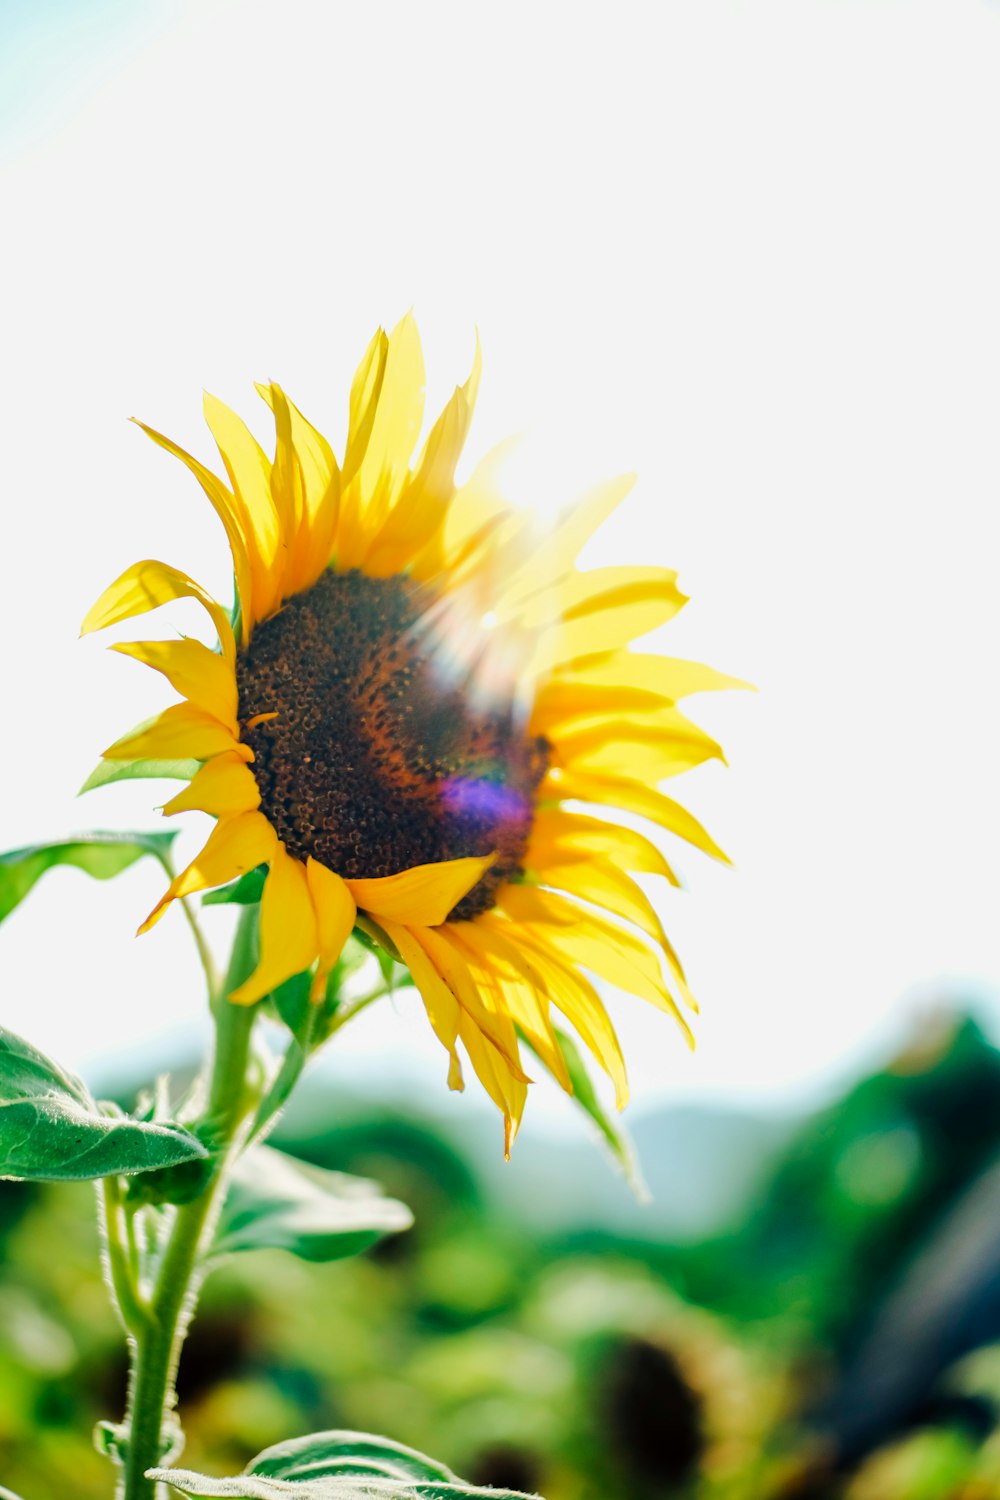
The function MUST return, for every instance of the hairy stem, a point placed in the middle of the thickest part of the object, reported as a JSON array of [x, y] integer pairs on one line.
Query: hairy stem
[[156, 1344]]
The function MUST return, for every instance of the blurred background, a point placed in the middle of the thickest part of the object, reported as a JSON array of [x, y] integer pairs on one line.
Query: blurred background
[[750, 252]]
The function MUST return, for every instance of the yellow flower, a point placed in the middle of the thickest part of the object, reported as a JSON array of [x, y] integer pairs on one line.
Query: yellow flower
[[412, 686]]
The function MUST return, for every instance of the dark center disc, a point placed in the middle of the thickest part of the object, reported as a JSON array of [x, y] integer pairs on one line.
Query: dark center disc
[[379, 758]]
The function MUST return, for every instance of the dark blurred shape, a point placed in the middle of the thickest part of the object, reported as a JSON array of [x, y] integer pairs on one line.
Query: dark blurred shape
[[945, 1304], [217, 1348], [504, 1467], [652, 1416]]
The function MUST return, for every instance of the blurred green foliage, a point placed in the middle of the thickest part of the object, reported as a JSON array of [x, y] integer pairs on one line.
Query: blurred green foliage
[[765, 1362]]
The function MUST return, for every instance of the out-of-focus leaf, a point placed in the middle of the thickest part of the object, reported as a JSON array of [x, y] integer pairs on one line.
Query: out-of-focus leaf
[[276, 1202], [101, 855], [51, 1130], [244, 891], [336, 1466], [107, 771]]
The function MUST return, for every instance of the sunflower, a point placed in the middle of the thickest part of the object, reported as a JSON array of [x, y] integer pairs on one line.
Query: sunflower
[[412, 686]]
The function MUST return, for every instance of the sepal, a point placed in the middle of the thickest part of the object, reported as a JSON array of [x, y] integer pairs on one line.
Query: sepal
[[612, 1131], [108, 771]]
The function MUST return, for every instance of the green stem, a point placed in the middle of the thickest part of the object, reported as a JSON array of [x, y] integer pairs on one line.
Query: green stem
[[156, 1346], [121, 1264], [200, 941]]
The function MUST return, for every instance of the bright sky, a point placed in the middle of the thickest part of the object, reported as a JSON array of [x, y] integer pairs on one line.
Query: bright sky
[[751, 251]]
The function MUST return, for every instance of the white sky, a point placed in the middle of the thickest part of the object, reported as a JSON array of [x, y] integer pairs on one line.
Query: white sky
[[750, 250]]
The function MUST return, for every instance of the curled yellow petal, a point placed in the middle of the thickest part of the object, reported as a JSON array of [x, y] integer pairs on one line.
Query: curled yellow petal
[[145, 586], [234, 846], [202, 676], [224, 786], [227, 508], [423, 896], [289, 941]]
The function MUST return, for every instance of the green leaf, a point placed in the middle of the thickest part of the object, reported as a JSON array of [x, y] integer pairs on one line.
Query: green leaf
[[51, 1130], [101, 855], [276, 1202], [242, 892], [611, 1128], [335, 1466], [107, 771]]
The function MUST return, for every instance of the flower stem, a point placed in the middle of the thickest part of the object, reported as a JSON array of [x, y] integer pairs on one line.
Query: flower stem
[[156, 1345]]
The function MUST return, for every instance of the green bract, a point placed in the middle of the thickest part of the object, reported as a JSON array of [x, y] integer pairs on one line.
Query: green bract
[[335, 1466], [276, 1202], [107, 771], [101, 855], [613, 1132], [52, 1130]]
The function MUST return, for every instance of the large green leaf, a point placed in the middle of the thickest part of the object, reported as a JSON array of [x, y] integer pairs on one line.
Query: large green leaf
[[275, 1202], [107, 771], [51, 1130], [335, 1466], [101, 855]]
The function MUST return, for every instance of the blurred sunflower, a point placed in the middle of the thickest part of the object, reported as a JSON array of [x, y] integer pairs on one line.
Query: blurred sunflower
[[412, 685]]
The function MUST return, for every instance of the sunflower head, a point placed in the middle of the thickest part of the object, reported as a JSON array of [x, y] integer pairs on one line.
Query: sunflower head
[[413, 685]]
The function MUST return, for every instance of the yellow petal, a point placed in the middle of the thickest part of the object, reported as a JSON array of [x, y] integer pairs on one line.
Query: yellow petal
[[441, 1006], [601, 883], [320, 478], [202, 676], [559, 550], [519, 986], [180, 732], [249, 471], [234, 846], [335, 912], [560, 837], [145, 586], [562, 702], [508, 1092], [223, 787], [648, 748], [422, 506], [289, 941], [634, 797], [619, 608], [599, 944], [423, 896], [668, 675], [446, 955], [366, 388], [399, 412], [227, 508], [580, 1003]]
